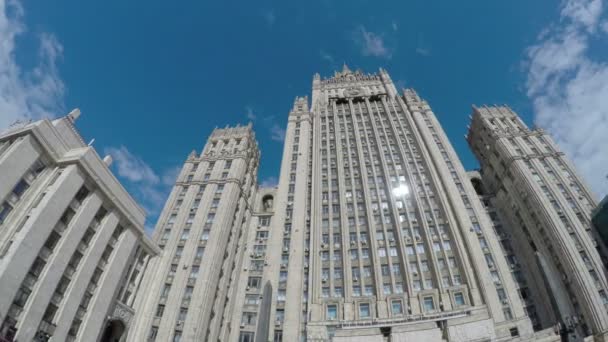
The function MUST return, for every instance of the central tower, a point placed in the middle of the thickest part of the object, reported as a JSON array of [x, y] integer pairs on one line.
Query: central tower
[[397, 231], [375, 229]]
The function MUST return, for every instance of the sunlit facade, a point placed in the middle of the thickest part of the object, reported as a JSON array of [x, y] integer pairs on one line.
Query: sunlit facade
[[546, 210]]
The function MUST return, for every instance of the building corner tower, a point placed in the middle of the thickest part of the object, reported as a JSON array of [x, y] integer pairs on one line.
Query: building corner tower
[[201, 231], [546, 208]]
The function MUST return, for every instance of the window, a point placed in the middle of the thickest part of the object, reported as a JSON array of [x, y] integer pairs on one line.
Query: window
[[153, 333], [246, 336], [188, 293], [183, 312], [249, 318], [397, 307], [160, 310], [165, 291], [364, 310], [252, 299], [459, 299], [254, 282], [264, 221], [177, 337], [194, 271], [224, 175], [228, 164], [429, 304], [332, 312]]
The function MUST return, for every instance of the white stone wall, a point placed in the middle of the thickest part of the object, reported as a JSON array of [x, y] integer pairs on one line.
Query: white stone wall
[[66, 182]]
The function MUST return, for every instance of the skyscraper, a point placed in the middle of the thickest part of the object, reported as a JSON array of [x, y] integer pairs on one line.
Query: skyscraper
[[201, 232], [375, 229], [546, 209], [72, 243]]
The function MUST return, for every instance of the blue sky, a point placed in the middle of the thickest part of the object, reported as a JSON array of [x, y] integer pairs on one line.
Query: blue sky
[[153, 78]]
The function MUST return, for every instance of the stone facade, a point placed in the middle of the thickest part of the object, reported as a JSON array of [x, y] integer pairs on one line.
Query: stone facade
[[202, 231], [545, 209], [374, 230], [72, 244]]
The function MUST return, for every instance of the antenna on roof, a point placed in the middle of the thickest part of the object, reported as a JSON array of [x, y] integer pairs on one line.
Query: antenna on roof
[[91, 142]]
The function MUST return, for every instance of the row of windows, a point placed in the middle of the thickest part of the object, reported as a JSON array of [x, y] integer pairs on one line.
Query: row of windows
[[20, 189]]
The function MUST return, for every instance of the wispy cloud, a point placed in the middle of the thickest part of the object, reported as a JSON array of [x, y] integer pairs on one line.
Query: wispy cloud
[[148, 187], [395, 26], [27, 93], [277, 133], [423, 51], [269, 182], [250, 114], [269, 17], [131, 167], [371, 44], [326, 56], [422, 48], [569, 88]]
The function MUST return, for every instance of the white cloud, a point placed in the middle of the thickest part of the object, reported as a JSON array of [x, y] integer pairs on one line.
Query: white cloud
[[149, 188], [269, 182], [250, 115], [569, 88], [395, 26], [269, 17], [277, 133], [170, 175], [27, 93], [131, 167], [371, 44], [423, 51], [326, 56]]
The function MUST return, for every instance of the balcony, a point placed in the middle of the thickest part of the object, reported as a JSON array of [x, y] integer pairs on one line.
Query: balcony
[[45, 253], [56, 298], [82, 248], [75, 204], [113, 241], [30, 281], [69, 271], [47, 327], [81, 312], [60, 227], [91, 288]]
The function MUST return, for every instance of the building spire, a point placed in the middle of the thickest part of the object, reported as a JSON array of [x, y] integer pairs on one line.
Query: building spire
[[345, 69]]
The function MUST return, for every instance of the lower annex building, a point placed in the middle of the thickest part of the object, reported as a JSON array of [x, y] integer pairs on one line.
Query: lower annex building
[[375, 232], [72, 244]]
